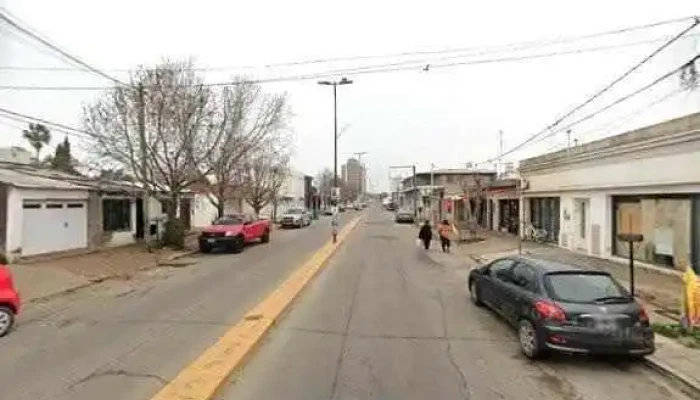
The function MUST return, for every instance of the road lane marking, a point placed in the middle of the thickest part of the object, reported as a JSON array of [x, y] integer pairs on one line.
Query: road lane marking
[[202, 379]]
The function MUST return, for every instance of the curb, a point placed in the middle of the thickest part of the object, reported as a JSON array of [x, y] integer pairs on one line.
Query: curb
[[175, 256], [687, 385]]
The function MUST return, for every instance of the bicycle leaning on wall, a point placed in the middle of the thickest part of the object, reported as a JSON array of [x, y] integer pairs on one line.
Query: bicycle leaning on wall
[[535, 234]]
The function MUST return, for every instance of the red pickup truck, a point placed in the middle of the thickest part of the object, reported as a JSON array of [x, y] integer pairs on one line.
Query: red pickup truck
[[233, 232], [9, 301]]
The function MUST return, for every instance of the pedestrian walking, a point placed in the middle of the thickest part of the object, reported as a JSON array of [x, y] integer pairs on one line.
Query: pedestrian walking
[[444, 230], [426, 234], [335, 223]]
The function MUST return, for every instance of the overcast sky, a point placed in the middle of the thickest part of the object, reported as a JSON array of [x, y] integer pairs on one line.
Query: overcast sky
[[447, 116]]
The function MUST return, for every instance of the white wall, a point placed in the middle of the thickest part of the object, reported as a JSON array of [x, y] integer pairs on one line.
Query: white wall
[[677, 165], [670, 169], [204, 211], [15, 199], [293, 186]]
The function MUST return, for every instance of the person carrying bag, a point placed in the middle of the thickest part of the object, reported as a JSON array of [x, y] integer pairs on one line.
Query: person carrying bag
[[444, 230]]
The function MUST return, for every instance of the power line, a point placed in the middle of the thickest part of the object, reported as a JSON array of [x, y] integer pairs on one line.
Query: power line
[[604, 90], [487, 49], [373, 69], [627, 97], [14, 115], [27, 31], [610, 125]]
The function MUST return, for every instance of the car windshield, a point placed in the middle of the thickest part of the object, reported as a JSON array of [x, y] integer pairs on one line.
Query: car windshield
[[584, 288], [295, 211], [229, 220]]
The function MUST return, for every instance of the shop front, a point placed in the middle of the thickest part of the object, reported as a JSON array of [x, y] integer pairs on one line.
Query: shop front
[[508, 215], [668, 222], [544, 214]]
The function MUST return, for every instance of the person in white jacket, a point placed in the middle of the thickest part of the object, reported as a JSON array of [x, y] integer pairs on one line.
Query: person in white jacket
[[335, 223]]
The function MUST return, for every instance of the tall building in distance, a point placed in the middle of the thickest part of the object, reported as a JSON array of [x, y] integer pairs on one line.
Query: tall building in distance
[[353, 174]]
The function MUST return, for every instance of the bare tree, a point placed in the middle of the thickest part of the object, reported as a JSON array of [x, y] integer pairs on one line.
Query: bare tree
[[180, 133], [264, 173], [473, 194], [325, 185], [247, 120]]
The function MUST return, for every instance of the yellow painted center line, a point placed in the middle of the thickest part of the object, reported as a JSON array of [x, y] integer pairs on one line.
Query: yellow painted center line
[[202, 378]]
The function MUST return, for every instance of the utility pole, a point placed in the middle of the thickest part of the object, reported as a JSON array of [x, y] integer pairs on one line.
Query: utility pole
[[500, 151], [144, 159], [415, 193], [343, 81], [568, 140]]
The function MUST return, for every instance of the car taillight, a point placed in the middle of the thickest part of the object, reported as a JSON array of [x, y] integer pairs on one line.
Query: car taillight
[[643, 316], [549, 311]]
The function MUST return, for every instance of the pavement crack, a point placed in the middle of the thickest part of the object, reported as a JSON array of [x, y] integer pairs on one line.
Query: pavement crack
[[386, 336], [118, 372], [346, 330], [464, 389]]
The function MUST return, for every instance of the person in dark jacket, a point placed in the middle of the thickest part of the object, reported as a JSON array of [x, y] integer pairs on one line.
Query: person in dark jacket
[[426, 234]]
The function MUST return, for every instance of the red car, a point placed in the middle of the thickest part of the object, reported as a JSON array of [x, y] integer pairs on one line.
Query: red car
[[233, 232], [9, 301]]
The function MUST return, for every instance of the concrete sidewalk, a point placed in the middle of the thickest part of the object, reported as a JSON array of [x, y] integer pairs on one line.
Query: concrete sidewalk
[[43, 279], [659, 291]]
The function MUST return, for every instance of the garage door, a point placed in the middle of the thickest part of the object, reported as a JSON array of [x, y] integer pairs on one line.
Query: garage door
[[53, 226]]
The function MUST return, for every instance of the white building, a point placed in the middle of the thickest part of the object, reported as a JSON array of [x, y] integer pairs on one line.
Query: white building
[[17, 155], [645, 181]]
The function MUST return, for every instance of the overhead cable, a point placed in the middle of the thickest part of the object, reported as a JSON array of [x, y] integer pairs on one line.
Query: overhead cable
[[603, 90], [28, 32]]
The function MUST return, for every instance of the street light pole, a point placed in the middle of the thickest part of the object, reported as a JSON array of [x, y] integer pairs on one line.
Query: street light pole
[[342, 81], [335, 135]]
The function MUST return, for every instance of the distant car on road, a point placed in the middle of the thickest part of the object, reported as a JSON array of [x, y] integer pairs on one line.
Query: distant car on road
[[9, 301], [233, 232], [560, 307], [342, 207], [405, 216], [327, 211], [391, 206], [295, 217]]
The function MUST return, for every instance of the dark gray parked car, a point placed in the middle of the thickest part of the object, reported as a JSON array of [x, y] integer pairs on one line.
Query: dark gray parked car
[[404, 216], [560, 307]]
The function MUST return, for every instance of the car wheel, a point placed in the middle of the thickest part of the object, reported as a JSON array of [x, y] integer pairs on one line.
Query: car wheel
[[530, 343], [474, 294], [7, 320], [204, 248], [238, 244], [265, 238]]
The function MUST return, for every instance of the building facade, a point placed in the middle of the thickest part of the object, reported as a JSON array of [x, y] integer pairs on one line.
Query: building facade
[[644, 181], [450, 194], [503, 207], [353, 174]]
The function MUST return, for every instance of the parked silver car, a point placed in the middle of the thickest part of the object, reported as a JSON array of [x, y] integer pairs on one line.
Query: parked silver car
[[295, 218]]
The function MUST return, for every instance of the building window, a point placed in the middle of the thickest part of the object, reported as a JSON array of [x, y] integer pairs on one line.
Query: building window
[[116, 215], [665, 223]]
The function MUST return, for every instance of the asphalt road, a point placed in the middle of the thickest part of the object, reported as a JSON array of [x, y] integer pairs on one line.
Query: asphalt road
[[387, 321], [125, 339]]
